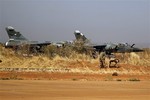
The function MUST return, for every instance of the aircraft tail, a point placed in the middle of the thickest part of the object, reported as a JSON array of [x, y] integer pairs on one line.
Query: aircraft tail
[[14, 34], [79, 36]]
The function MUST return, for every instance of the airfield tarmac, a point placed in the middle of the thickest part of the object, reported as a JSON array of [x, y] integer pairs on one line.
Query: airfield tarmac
[[74, 90]]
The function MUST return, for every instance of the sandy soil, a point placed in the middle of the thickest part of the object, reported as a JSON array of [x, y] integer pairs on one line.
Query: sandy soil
[[70, 76], [73, 90]]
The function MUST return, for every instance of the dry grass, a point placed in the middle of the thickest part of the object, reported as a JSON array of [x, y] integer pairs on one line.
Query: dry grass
[[140, 59], [77, 63], [10, 59]]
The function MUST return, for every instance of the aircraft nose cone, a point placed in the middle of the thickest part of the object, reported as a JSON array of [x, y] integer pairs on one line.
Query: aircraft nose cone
[[137, 50]]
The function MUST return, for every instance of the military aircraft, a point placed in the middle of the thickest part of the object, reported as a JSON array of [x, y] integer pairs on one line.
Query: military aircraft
[[108, 47], [16, 39]]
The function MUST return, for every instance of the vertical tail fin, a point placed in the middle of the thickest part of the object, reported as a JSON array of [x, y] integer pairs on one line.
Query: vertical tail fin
[[79, 36], [14, 34]]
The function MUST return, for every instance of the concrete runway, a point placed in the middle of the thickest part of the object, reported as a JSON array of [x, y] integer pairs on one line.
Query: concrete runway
[[73, 90]]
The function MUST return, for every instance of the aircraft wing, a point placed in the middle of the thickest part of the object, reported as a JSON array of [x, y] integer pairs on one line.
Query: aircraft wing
[[99, 47], [43, 44]]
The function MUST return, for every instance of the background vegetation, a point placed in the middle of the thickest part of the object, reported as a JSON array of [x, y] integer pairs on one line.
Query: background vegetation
[[63, 57]]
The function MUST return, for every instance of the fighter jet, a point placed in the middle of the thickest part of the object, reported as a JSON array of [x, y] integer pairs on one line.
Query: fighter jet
[[108, 47], [16, 39]]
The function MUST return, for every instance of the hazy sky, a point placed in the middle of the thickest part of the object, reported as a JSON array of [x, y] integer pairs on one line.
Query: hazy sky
[[99, 20]]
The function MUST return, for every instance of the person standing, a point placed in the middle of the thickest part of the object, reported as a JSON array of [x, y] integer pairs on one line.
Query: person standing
[[102, 59]]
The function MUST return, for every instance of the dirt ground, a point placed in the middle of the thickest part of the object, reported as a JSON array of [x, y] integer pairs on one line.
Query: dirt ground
[[76, 83], [6, 75], [74, 90]]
